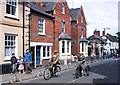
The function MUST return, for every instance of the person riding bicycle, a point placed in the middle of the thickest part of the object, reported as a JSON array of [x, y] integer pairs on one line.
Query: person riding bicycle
[[79, 56], [54, 59], [82, 62]]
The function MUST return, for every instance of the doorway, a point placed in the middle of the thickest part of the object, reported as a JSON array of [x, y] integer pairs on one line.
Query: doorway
[[33, 55], [38, 56]]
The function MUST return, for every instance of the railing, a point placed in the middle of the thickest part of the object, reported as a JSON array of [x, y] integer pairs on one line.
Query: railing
[[6, 69]]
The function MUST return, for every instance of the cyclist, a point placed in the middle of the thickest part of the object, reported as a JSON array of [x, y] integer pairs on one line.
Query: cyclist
[[54, 60], [82, 62], [80, 57]]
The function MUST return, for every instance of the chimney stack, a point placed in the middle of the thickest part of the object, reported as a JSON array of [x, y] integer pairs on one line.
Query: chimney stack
[[103, 32]]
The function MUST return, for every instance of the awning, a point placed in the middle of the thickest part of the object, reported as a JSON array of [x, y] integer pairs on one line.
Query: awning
[[33, 44]]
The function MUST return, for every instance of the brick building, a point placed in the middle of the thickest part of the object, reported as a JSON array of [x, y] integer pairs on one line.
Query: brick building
[[41, 38], [54, 25], [56, 29], [78, 32]]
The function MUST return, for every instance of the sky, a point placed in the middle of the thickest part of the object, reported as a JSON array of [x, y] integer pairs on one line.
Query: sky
[[99, 14]]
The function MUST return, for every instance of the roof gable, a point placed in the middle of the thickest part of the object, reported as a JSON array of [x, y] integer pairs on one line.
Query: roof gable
[[50, 6], [93, 37], [111, 38], [74, 14], [35, 7], [64, 36]]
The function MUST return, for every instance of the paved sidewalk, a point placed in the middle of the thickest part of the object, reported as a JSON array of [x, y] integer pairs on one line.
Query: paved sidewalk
[[7, 77]]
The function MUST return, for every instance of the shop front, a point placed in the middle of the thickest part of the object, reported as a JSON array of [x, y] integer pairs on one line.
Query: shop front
[[40, 52]]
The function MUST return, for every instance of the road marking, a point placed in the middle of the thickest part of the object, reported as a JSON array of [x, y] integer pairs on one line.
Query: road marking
[[74, 80]]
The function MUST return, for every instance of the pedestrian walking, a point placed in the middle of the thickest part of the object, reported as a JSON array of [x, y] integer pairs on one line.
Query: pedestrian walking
[[14, 63], [21, 66], [28, 60]]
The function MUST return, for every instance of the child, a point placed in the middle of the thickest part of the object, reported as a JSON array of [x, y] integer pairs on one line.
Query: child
[[13, 62], [21, 66]]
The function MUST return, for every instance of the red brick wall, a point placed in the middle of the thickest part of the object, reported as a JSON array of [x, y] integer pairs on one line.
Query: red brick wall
[[48, 30], [75, 48], [58, 24], [34, 28], [76, 33]]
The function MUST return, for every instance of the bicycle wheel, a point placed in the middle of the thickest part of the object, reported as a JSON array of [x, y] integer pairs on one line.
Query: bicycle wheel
[[77, 75], [47, 74], [87, 70], [57, 71]]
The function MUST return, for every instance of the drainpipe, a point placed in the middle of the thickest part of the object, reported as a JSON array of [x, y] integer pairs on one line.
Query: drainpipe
[[23, 26], [53, 35], [29, 30]]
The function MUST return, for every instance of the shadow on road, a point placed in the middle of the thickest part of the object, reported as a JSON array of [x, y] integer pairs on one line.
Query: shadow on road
[[110, 70]]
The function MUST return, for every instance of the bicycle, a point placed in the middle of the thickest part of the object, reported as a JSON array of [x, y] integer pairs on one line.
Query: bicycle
[[15, 76], [51, 72], [82, 71]]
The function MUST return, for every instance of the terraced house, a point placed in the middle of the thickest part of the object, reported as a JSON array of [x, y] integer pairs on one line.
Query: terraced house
[[48, 26], [53, 27], [50, 30], [78, 32], [11, 29], [62, 30], [42, 38]]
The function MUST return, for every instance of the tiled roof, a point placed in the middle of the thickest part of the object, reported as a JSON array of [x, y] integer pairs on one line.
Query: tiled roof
[[64, 36], [36, 8], [74, 13], [95, 37], [83, 40], [111, 38], [49, 6]]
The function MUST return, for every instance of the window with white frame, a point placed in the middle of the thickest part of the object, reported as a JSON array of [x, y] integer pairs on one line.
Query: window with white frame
[[63, 9], [85, 47], [46, 51], [68, 48], [10, 45], [41, 26], [63, 26], [81, 18], [63, 46], [12, 7], [82, 47]]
